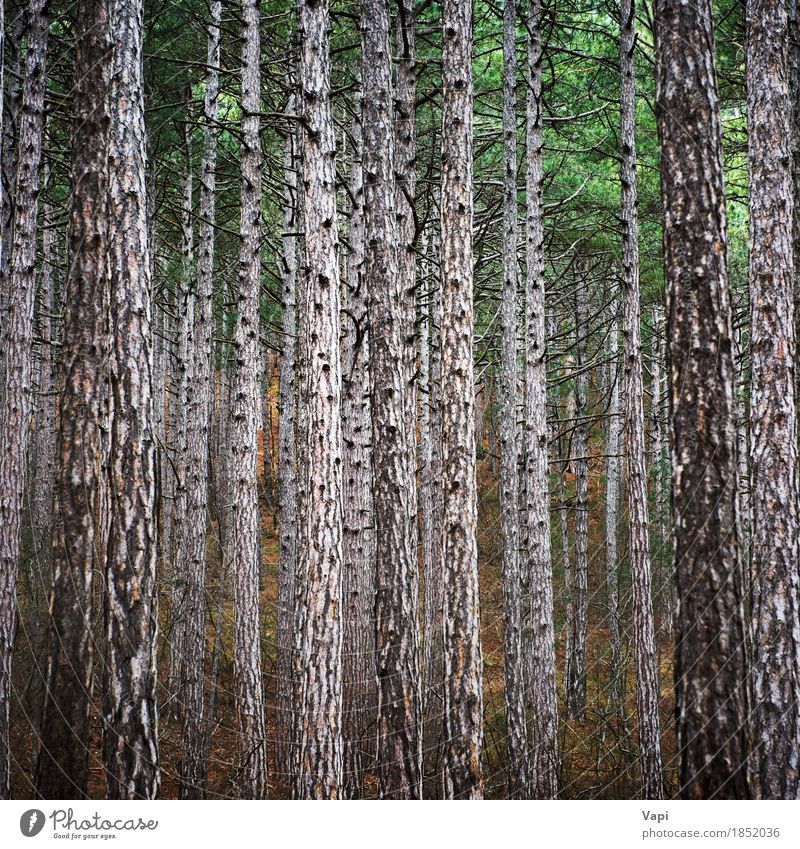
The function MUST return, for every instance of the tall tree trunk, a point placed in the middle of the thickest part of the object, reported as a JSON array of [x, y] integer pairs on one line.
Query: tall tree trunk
[[245, 519], [47, 304], [130, 711], [80, 529], [321, 670], [774, 545], [613, 452], [194, 732], [359, 589], [710, 658], [184, 379], [649, 726], [15, 415], [516, 729], [463, 661], [544, 745], [397, 594], [434, 589], [405, 159], [287, 459]]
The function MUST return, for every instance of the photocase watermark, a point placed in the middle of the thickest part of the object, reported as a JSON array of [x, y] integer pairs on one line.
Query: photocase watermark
[[65, 824], [31, 822]]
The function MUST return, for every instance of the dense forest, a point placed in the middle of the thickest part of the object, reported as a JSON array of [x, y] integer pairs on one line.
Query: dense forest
[[398, 399]]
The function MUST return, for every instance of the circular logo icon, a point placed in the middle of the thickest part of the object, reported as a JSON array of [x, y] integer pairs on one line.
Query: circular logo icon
[[31, 822]]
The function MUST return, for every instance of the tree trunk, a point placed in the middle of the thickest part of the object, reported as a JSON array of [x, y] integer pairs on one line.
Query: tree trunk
[[463, 660], [193, 732], [184, 379], [130, 710], [710, 658], [321, 670], [397, 593], [649, 726], [80, 529], [544, 746], [774, 544], [287, 459], [18, 344], [516, 729], [245, 519], [613, 456], [405, 159], [359, 584]]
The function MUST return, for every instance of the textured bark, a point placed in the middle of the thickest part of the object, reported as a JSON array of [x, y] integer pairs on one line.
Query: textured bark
[[433, 578], [287, 461], [321, 671], [183, 378], [793, 69], [636, 478], [194, 732], [47, 300], [80, 529], [463, 661], [613, 457], [130, 714], [396, 587], [577, 625], [516, 729], [405, 158], [245, 520], [358, 539], [710, 658], [663, 580], [542, 696], [12, 96], [774, 543], [15, 414]]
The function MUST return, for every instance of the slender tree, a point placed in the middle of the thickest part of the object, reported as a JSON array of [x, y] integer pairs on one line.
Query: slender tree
[[80, 529], [710, 656], [244, 424], [463, 690], [516, 728], [193, 733], [396, 600], [775, 541], [649, 726], [542, 675], [613, 451], [359, 579], [130, 714], [287, 457], [321, 755], [578, 588], [20, 285]]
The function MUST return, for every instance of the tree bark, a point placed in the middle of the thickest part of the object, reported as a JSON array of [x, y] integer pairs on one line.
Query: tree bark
[[397, 592], [544, 746], [287, 459], [194, 732], [80, 529], [613, 456], [359, 543], [649, 726], [15, 414], [775, 540], [130, 713], [321, 673], [245, 519], [710, 658], [463, 660], [516, 729]]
